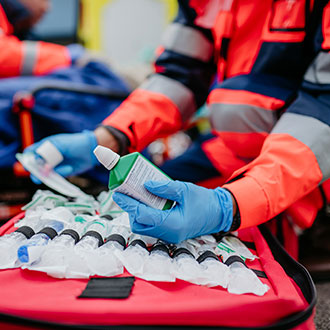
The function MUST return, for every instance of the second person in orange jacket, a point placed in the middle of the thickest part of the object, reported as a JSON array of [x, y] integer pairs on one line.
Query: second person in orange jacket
[[24, 57]]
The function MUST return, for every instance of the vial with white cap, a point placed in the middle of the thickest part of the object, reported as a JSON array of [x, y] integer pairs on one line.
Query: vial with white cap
[[129, 173]]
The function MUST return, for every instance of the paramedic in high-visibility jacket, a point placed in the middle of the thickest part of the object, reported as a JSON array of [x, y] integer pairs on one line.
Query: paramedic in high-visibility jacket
[[270, 113], [23, 57]]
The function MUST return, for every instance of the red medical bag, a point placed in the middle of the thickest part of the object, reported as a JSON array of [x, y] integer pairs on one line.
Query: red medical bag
[[30, 299]]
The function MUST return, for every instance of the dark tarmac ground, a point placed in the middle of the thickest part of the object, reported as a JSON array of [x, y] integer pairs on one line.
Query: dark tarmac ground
[[322, 317]]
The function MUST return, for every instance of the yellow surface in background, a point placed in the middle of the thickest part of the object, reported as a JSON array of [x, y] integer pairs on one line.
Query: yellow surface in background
[[90, 25]]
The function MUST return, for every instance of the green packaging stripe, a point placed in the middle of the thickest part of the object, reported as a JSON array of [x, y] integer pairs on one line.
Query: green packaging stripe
[[77, 205], [224, 247], [32, 203], [107, 199]]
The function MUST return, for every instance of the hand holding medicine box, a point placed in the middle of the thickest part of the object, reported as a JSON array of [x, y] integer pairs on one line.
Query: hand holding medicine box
[[129, 173]]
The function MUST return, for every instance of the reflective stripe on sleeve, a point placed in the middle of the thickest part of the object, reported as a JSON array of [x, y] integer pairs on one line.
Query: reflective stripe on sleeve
[[310, 131], [241, 118], [178, 93], [187, 41], [30, 49], [319, 71]]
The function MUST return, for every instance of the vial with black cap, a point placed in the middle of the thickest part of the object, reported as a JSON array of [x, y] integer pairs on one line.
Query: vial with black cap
[[55, 259], [34, 247], [9, 244], [242, 279], [134, 256], [214, 272], [185, 265], [93, 235], [158, 265], [104, 261]]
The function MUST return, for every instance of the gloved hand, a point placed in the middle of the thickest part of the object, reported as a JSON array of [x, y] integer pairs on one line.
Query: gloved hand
[[198, 211], [76, 149], [76, 52]]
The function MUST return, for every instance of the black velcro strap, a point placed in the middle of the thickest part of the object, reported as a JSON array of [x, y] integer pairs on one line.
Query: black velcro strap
[[116, 238], [50, 232], [233, 259], [180, 251], [138, 242], [71, 233], [160, 247], [108, 288], [27, 231], [259, 273], [207, 254], [95, 234]]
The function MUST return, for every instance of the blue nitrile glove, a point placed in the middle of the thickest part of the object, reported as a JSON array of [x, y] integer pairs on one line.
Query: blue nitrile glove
[[76, 52], [198, 211], [76, 149]]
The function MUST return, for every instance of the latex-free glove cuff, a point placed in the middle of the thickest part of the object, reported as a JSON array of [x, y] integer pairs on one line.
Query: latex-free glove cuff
[[92, 145], [226, 208], [237, 218]]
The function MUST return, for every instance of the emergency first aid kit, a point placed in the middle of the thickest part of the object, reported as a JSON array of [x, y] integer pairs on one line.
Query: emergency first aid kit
[[242, 280]]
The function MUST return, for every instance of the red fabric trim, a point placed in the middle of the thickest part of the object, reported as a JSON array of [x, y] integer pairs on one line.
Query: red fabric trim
[[326, 188], [35, 295], [276, 179], [291, 243], [228, 96], [150, 115], [326, 27], [8, 227], [222, 28], [11, 56], [288, 15], [280, 36], [158, 52], [247, 145], [304, 211], [207, 11], [252, 201], [212, 183], [246, 36], [222, 157], [50, 57], [4, 23]]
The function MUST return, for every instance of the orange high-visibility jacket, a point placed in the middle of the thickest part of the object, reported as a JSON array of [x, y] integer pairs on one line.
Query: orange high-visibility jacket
[[27, 57], [270, 107]]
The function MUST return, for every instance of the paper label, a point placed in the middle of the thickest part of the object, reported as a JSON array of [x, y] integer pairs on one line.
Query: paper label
[[141, 172]]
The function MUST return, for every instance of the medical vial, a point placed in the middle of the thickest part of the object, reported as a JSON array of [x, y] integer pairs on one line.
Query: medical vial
[[129, 173]]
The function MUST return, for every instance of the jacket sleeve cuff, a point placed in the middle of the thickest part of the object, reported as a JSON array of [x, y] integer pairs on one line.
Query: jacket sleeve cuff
[[121, 138], [236, 218], [252, 201]]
